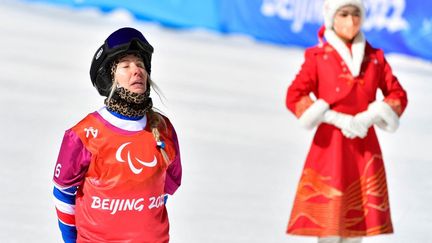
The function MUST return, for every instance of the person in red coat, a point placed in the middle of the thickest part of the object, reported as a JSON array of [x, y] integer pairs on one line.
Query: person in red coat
[[342, 194]]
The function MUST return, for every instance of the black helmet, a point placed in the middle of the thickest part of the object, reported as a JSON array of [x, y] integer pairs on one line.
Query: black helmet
[[120, 42]]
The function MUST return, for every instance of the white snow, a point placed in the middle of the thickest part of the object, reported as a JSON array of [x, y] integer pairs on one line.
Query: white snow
[[242, 150]]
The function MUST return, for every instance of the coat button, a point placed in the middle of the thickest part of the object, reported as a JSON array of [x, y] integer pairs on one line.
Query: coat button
[[361, 82], [337, 89], [325, 57], [342, 63], [344, 69]]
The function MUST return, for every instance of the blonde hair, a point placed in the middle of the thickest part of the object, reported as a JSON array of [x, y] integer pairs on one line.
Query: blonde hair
[[114, 81], [156, 121]]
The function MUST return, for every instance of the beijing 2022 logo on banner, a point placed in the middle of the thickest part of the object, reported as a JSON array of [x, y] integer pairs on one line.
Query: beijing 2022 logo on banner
[[380, 14]]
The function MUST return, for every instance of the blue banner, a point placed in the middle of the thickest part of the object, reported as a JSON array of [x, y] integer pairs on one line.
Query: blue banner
[[394, 25]]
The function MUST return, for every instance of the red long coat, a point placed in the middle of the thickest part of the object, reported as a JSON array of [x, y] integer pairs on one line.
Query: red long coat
[[342, 190]]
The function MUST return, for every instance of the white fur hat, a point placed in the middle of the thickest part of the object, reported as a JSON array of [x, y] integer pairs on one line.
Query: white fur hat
[[331, 6]]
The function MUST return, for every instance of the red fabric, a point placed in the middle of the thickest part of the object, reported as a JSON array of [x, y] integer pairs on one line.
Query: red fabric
[[121, 199], [325, 75], [321, 34], [68, 219], [342, 190]]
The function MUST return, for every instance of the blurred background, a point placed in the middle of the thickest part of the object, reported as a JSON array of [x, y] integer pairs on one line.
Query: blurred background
[[223, 67]]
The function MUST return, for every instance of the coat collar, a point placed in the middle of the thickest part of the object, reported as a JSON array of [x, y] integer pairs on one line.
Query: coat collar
[[353, 61]]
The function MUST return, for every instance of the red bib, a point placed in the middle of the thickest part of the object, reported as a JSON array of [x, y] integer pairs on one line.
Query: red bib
[[122, 196]]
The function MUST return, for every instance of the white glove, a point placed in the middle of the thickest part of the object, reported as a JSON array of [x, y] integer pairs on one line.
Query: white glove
[[367, 118], [349, 127], [313, 115], [387, 119]]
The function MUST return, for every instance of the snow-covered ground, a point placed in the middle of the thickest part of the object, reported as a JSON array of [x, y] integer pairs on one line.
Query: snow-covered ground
[[242, 150]]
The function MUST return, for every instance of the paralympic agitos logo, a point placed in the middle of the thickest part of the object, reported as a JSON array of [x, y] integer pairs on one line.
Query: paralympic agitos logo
[[133, 168]]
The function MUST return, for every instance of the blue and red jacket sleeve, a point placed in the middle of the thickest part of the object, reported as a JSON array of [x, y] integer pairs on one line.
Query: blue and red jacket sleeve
[[69, 172]]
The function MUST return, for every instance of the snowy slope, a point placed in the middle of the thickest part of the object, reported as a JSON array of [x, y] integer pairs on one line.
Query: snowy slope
[[242, 150]]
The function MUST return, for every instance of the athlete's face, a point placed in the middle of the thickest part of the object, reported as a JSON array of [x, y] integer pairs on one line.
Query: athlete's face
[[347, 22], [130, 74]]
